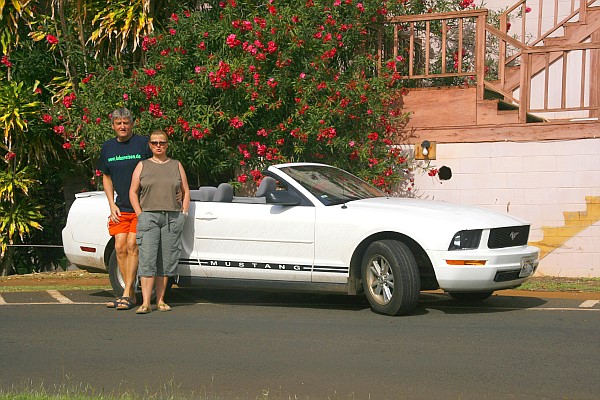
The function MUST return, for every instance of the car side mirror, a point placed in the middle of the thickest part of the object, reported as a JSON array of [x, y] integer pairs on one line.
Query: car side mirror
[[283, 198]]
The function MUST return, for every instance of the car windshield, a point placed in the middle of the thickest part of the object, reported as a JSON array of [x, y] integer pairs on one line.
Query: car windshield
[[331, 185]]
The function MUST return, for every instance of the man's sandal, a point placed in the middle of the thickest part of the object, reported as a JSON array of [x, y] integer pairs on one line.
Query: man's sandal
[[125, 303], [163, 307], [143, 310], [113, 303]]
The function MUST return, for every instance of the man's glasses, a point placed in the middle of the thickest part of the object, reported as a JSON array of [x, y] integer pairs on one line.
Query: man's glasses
[[156, 143]]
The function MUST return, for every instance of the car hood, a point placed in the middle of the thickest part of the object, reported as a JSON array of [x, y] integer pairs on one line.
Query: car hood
[[437, 212]]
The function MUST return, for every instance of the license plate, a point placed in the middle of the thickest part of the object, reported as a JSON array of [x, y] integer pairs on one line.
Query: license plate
[[527, 267]]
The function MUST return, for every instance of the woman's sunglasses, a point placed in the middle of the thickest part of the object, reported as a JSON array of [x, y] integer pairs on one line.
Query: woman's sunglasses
[[156, 143]]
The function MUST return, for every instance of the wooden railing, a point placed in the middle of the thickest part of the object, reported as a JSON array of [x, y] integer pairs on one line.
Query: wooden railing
[[447, 37], [517, 20], [421, 46]]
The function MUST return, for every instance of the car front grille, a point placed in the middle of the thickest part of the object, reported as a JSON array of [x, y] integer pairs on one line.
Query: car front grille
[[504, 276], [508, 236]]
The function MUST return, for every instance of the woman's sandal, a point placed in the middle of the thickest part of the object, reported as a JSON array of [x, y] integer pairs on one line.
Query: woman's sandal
[[143, 310], [125, 303], [163, 307]]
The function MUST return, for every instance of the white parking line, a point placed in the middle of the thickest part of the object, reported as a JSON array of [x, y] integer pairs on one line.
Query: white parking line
[[2, 301], [59, 297], [78, 303], [589, 303]]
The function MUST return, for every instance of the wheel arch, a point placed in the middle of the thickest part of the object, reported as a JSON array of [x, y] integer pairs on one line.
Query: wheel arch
[[110, 246], [426, 271]]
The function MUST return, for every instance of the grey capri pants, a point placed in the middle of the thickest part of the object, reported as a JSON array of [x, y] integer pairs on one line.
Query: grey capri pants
[[159, 242]]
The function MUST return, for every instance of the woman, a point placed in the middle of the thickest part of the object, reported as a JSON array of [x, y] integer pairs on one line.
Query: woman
[[153, 195]]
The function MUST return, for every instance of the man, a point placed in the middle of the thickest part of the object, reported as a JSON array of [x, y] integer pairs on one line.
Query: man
[[118, 159]]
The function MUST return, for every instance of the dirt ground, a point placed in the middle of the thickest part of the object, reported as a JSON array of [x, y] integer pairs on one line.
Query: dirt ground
[[69, 278]]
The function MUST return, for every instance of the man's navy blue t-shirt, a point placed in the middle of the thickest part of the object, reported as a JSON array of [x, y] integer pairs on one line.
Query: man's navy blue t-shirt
[[118, 160]]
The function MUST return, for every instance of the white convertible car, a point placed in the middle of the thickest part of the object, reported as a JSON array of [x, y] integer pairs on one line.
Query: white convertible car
[[313, 227]]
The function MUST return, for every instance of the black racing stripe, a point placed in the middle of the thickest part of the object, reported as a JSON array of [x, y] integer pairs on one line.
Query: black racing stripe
[[265, 266]]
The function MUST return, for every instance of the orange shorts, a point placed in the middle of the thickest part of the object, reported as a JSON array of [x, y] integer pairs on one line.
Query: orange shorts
[[127, 224]]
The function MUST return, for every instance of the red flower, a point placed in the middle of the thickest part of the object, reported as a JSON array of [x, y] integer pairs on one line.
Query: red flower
[[9, 156], [373, 136], [174, 17], [155, 111], [172, 32], [242, 178], [6, 61], [68, 100], [66, 146], [232, 41], [432, 172], [236, 122], [82, 145], [98, 172], [150, 72], [256, 175], [147, 42], [52, 39], [59, 129], [47, 118]]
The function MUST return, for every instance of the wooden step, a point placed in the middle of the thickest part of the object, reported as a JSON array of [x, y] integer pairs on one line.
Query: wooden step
[[488, 113], [554, 41], [441, 106]]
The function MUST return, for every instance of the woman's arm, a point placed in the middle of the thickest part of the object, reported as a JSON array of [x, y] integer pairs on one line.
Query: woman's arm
[[135, 188], [185, 188]]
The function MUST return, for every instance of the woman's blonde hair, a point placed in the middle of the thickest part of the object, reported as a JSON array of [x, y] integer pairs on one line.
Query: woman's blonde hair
[[159, 132]]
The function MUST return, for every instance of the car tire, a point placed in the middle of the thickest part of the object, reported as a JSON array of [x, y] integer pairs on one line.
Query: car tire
[[118, 283], [390, 277], [470, 296]]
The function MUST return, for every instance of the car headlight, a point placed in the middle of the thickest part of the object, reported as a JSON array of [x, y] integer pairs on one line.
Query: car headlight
[[464, 240]]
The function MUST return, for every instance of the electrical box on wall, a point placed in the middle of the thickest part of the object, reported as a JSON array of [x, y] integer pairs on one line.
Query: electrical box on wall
[[425, 150]]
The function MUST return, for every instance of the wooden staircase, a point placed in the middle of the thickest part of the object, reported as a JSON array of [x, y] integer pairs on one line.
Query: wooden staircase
[[509, 102], [573, 34]]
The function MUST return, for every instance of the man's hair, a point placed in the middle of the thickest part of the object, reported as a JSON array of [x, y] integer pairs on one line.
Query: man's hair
[[121, 113]]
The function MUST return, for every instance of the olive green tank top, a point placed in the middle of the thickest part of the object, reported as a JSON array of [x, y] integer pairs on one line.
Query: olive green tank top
[[159, 184]]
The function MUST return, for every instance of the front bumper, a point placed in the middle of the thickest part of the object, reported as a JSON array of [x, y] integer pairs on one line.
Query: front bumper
[[502, 268]]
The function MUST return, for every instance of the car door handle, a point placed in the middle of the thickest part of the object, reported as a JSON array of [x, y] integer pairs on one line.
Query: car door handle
[[207, 217]]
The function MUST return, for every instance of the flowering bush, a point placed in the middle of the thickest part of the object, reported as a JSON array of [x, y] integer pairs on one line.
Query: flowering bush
[[237, 86]]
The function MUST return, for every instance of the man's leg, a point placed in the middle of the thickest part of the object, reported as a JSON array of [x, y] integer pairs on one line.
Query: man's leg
[[131, 265]]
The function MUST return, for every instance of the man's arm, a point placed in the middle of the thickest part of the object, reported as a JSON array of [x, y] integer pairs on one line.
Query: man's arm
[[115, 212], [135, 188]]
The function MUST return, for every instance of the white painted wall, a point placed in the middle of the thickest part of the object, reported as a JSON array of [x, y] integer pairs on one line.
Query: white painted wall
[[537, 181]]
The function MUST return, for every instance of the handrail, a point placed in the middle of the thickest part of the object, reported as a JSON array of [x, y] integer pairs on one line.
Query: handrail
[[505, 37], [561, 48], [514, 7], [504, 93], [438, 16]]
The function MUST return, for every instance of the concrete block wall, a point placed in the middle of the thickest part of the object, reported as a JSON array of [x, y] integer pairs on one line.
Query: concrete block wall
[[536, 181]]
